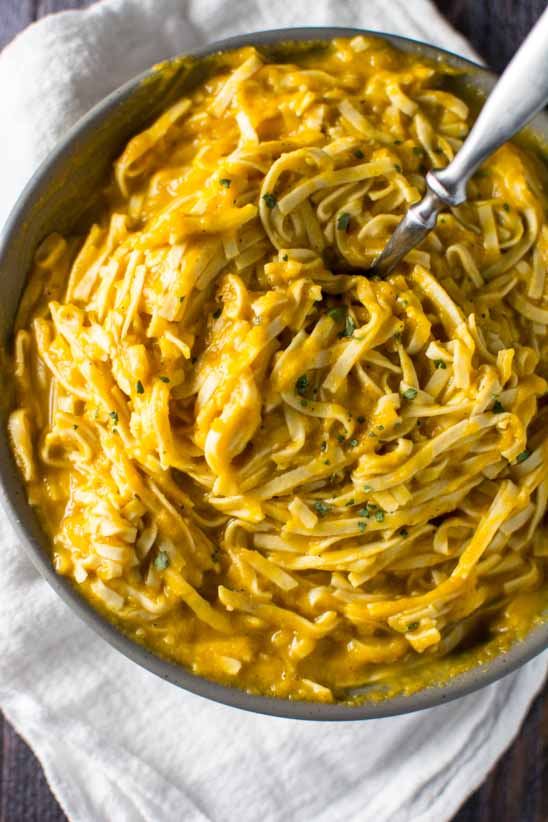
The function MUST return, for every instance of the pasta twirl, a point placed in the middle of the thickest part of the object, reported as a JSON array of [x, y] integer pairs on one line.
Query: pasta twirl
[[264, 465]]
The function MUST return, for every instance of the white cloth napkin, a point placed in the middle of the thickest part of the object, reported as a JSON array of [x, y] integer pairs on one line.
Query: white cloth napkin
[[116, 742]]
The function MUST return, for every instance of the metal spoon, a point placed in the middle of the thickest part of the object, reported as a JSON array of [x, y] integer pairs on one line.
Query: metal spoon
[[520, 92]]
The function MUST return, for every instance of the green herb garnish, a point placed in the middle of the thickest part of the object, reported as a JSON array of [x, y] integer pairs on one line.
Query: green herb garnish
[[162, 561], [164, 379], [270, 200], [301, 385], [523, 456], [338, 313], [358, 154], [412, 626], [440, 364], [343, 221], [217, 313], [321, 508], [353, 443], [379, 515], [498, 407], [410, 393], [114, 417], [349, 327], [404, 532], [224, 181], [360, 419], [362, 526], [139, 387]]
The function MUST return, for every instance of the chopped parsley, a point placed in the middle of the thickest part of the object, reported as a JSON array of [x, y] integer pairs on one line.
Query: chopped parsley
[[417, 150], [327, 462], [270, 200], [181, 299], [397, 168], [139, 387], [362, 526], [498, 407], [506, 207], [224, 181], [350, 502], [410, 393], [343, 221], [523, 456], [338, 313], [340, 437], [301, 385], [380, 427], [360, 419], [379, 515], [323, 447], [162, 561], [412, 626], [114, 417], [164, 379], [321, 508], [75, 427], [285, 258], [358, 154], [367, 488], [349, 327], [440, 364], [364, 512], [217, 313], [353, 443], [304, 403], [398, 142], [404, 532]]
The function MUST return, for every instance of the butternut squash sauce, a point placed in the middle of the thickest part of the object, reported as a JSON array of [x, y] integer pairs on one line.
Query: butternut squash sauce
[[259, 463]]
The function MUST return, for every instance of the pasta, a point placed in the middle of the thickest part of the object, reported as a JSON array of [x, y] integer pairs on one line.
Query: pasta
[[277, 471]]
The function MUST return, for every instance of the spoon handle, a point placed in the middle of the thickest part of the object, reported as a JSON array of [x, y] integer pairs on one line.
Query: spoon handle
[[520, 92]]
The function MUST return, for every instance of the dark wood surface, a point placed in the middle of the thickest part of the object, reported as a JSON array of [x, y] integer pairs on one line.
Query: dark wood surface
[[516, 790]]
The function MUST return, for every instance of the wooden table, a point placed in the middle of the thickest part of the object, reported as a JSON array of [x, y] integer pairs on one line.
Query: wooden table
[[516, 789]]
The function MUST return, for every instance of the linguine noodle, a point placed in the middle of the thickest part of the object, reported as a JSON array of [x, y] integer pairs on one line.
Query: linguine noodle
[[261, 463]]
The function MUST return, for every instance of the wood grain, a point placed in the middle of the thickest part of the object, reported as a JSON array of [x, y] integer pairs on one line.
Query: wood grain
[[515, 790]]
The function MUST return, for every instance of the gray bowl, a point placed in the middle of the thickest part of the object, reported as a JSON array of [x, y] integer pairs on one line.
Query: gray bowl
[[57, 198]]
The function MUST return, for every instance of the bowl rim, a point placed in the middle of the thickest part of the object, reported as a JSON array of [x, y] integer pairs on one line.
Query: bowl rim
[[16, 507]]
